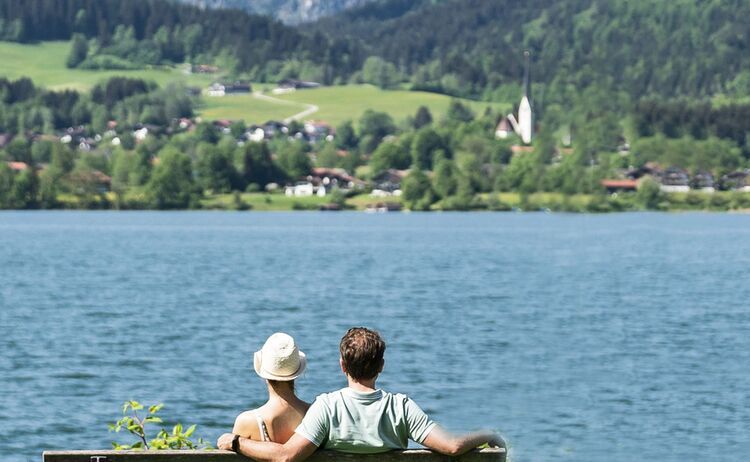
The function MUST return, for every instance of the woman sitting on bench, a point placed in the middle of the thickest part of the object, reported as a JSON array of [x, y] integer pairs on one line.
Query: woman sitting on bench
[[279, 362]]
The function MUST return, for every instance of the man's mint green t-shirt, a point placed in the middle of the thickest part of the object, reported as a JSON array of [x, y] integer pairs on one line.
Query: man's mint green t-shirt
[[364, 423]]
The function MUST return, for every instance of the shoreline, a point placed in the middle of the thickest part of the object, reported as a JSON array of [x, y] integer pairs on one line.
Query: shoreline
[[513, 202]]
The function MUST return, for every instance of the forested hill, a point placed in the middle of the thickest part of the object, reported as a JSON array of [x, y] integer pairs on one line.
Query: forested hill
[[681, 47], [288, 11], [131, 33], [622, 50]]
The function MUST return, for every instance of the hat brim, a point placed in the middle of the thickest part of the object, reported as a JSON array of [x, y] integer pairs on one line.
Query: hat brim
[[281, 378]]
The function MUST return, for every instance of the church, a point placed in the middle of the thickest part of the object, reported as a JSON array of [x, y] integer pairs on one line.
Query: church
[[523, 126]]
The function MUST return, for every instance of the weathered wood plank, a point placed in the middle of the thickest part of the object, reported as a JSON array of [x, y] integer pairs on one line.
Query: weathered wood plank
[[417, 455]]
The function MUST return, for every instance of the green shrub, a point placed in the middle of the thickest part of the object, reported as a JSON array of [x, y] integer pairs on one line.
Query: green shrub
[[135, 424]]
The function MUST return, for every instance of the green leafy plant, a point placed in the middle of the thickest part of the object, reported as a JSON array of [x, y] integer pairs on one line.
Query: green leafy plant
[[135, 424]]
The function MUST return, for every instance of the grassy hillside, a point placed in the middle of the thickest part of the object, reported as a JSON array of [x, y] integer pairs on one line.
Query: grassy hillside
[[246, 107], [350, 101], [44, 63]]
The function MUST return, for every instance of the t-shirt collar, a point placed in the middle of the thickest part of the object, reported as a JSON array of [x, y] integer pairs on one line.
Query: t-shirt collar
[[371, 396]]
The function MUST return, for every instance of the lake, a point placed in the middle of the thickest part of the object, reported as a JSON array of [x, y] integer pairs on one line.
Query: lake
[[578, 337]]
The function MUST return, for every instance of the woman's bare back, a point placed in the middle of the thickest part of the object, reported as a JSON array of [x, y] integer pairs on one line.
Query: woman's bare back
[[280, 417]]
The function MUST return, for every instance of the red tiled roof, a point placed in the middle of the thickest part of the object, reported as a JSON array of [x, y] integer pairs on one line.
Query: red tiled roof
[[625, 184], [18, 166], [516, 149]]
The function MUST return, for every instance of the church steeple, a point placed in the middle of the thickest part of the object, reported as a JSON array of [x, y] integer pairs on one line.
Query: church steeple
[[526, 83], [525, 112]]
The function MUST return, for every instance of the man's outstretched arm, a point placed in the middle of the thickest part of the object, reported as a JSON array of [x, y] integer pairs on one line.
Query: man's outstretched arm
[[298, 448], [447, 443]]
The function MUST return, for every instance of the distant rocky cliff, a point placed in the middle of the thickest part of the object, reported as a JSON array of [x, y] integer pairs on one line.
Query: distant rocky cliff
[[289, 11]]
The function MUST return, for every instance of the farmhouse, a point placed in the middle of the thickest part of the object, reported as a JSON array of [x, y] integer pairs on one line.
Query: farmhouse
[[614, 186], [703, 181], [303, 189], [738, 180], [223, 89], [388, 183], [318, 131], [504, 129], [674, 179], [290, 85], [17, 166]]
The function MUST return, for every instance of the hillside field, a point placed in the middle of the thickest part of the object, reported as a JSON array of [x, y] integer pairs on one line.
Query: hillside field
[[44, 63]]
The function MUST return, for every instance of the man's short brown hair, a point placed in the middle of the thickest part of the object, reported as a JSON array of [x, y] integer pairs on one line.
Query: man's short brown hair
[[362, 352]]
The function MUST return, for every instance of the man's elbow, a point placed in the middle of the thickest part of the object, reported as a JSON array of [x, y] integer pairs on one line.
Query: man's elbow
[[284, 455]]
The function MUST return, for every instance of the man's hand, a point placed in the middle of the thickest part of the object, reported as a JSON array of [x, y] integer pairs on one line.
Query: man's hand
[[496, 441], [225, 441]]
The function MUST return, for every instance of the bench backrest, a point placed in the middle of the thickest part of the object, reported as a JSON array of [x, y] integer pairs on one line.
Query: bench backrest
[[411, 455]]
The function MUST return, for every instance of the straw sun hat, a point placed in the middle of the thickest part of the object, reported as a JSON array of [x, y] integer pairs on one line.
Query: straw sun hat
[[279, 359]]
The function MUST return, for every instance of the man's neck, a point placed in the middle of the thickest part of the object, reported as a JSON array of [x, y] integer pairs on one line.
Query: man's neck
[[362, 386]]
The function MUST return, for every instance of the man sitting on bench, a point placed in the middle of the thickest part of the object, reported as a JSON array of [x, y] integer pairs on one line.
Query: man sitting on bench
[[360, 418]]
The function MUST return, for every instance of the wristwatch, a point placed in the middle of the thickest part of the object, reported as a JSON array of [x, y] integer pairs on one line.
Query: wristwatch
[[236, 444]]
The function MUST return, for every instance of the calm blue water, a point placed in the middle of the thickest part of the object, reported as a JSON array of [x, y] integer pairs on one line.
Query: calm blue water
[[579, 337]]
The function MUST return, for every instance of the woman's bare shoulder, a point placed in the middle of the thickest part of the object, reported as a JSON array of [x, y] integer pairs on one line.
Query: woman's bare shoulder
[[246, 424]]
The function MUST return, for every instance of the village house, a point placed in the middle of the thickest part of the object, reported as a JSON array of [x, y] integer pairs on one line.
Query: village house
[[503, 129], [388, 183], [17, 167], [703, 182], [274, 127], [649, 169], [323, 181], [736, 181], [94, 179], [290, 85], [224, 125], [617, 186], [303, 189], [140, 134], [223, 89], [5, 139], [316, 131], [204, 69], [186, 124], [674, 179], [254, 133], [332, 178]]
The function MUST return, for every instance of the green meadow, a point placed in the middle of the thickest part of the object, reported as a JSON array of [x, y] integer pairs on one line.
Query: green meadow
[[44, 63], [344, 102], [247, 107]]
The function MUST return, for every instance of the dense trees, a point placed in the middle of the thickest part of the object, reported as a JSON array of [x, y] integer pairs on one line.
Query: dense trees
[[79, 50], [461, 47], [132, 33]]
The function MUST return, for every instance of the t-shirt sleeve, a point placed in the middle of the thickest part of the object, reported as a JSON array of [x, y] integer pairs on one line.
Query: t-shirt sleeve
[[419, 424], [315, 424]]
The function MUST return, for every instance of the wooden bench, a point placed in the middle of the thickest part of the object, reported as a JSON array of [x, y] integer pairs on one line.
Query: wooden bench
[[411, 455]]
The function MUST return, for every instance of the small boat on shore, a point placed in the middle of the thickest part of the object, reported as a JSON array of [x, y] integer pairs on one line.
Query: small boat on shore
[[382, 207]]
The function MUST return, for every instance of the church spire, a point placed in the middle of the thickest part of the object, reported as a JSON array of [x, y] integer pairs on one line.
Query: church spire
[[526, 83], [525, 113]]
